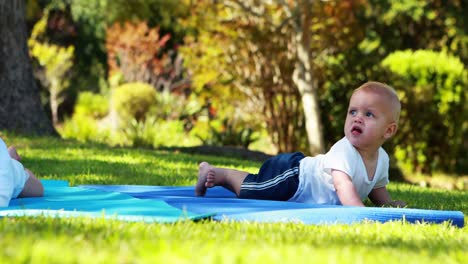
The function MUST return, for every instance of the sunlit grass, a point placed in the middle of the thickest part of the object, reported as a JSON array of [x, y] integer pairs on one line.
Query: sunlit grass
[[51, 158], [106, 241], [84, 240]]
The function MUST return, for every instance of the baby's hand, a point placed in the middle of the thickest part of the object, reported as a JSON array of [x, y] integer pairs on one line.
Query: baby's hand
[[396, 203]]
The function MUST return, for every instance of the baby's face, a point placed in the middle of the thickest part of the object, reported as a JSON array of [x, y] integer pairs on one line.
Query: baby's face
[[367, 121]]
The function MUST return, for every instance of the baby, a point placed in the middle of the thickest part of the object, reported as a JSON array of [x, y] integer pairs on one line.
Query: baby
[[15, 180], [354, 168]]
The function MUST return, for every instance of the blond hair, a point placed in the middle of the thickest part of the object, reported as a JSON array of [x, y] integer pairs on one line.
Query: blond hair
[[387, 92]]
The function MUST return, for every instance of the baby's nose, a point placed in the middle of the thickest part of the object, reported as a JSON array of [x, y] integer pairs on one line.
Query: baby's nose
[[357, 119]]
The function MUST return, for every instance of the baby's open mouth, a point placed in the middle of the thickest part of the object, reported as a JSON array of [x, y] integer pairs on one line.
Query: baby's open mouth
[[356, 130]]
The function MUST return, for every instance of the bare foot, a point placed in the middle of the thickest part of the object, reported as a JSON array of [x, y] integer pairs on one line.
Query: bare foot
[[206, 178], [13, 153]]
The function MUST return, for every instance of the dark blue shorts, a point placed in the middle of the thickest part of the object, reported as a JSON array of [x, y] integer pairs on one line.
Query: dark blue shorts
[[277, 179]]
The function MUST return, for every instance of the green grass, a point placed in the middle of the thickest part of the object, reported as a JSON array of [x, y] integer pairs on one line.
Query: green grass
[[84, 240]]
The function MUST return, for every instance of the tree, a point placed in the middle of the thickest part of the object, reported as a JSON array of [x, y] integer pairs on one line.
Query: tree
[[95, 16], [303, 75], [268, 52], [241, 59], [20, 106], [56, 61], [287, 41], [136, 52]]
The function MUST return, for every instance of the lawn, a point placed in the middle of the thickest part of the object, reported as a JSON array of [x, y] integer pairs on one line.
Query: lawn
[[84, 240]]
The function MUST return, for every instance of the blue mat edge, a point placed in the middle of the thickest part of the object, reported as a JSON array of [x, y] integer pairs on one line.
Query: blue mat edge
[[411, 215], [15, 208], [455, 218], [96, 215]]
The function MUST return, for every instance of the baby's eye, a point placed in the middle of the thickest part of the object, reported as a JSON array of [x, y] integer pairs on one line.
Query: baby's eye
[[352, 112], [369, 114]]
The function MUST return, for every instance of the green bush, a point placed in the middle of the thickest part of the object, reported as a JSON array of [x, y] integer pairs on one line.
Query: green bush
[[172, 134], [164, 122], [91, 104], [152, 133], [133, 101], [432, 89], [225, 132], [147, 118], [140, 133], [81, 127], [150, 119], [170, 106]]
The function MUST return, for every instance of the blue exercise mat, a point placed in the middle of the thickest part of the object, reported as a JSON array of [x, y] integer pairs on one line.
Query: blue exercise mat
[[62, 201], [226, 206]]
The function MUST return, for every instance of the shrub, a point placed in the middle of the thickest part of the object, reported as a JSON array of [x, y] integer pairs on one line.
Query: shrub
[[152, 133], [168, 106], [140, 133], [133, 101], [431, 86], [84, 125], [92, 105], [81, 127], [162, 118], [225, 132], [172, 134]]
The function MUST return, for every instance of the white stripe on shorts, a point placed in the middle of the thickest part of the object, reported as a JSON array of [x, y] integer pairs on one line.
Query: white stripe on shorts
[[271, 182]]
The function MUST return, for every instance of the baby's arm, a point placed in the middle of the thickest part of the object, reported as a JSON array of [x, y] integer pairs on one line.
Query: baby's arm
[[345, 189], [32, 187], [381, 197]]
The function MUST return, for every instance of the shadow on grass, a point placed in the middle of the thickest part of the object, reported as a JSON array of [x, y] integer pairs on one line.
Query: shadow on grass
[[226, 151], [90, 171]]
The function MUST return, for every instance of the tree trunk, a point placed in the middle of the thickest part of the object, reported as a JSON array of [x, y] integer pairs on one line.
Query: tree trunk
[[20, 106], [54, 103], [304, 80]]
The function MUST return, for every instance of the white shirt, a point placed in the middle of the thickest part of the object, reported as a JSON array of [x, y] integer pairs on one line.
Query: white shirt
[[12, 176], [316, 182]]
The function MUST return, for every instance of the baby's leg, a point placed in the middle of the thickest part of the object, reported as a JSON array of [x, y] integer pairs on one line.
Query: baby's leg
[[209, 176], [13, 153], [33, 187]]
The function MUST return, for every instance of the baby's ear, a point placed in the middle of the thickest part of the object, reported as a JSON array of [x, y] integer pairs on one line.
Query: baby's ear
[[391, 130]]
